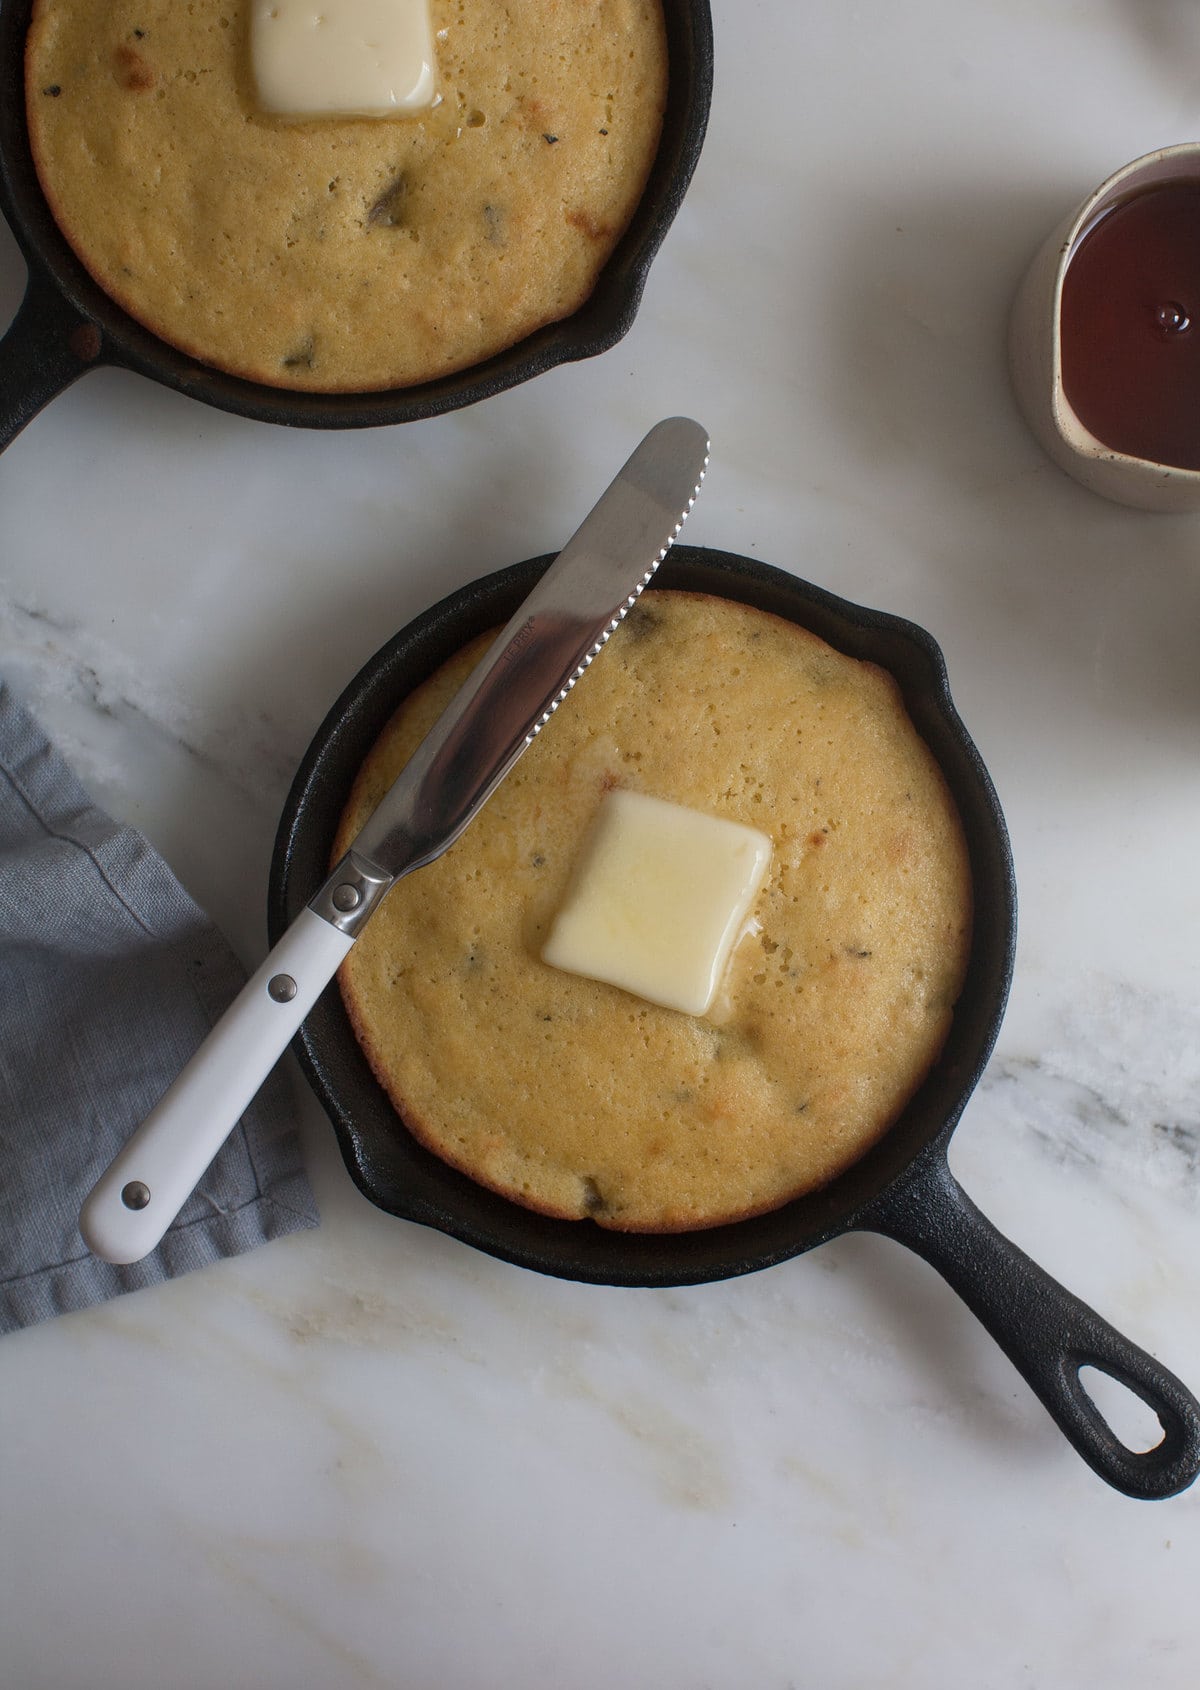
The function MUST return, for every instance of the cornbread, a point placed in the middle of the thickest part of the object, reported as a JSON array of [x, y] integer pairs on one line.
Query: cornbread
[[577, 1099], [348, 254]]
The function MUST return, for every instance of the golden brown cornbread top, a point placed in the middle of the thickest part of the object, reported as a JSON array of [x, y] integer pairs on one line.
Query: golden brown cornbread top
[[352, 254], [577, 1099]]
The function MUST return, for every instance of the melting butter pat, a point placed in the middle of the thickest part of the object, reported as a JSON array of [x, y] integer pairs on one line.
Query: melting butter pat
[[659, 900], [346, 58]]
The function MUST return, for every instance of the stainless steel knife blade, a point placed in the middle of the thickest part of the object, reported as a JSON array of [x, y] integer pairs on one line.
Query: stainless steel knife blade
[[528, 671], [541, 653], [501, 708]]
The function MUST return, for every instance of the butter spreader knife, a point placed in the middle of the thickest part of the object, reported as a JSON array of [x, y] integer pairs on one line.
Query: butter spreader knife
[[499, 710]]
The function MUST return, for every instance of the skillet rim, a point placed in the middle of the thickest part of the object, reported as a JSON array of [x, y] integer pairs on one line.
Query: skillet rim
[[63, 283], [401, 1177]]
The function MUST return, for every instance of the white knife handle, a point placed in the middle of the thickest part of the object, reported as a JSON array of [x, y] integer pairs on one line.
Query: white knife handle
[[135, 1200]]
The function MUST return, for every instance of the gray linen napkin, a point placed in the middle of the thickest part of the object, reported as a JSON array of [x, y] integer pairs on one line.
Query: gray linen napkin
[[110, 976]]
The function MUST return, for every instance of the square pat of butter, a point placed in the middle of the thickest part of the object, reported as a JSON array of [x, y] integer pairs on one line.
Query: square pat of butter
[[659, 899], [350, 58]]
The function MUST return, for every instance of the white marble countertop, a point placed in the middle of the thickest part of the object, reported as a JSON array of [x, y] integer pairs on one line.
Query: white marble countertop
[[367, 1456]]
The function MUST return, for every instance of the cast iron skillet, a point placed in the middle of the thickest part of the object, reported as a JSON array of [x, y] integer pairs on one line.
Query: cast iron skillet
[[67, 324], [903, 1188]]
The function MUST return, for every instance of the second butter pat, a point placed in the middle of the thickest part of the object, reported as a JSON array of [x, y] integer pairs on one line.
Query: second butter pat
[[659, 900], [350, 58]]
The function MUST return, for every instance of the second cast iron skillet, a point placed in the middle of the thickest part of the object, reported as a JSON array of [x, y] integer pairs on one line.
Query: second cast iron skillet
[[902, 1188], [67, 324]]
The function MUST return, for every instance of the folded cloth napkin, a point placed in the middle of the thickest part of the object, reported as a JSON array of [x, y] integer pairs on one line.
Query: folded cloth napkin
[[110, 976]]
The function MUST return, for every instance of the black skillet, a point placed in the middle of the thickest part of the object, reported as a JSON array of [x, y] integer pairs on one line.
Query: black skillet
[[67, 324], [903, 1188]]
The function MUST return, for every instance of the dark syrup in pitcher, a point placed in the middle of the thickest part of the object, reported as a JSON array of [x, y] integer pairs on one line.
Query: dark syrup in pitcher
[[1130, 326]]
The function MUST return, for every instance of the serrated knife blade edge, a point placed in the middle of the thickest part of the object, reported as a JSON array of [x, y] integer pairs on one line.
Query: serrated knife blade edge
[[531, 667]]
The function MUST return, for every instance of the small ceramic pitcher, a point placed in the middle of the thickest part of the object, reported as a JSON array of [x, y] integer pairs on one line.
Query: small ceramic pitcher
[[1035, 352]]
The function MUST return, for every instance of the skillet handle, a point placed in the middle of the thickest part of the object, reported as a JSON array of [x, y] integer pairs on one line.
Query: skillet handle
[[1045, 1331], [47, 347]]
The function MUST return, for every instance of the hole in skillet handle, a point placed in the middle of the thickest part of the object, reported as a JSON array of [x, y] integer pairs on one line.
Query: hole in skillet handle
[[1133, 1420], [1047, 1333]]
